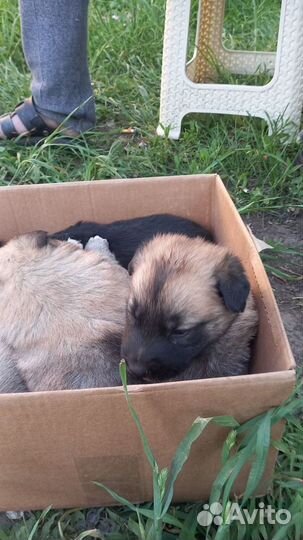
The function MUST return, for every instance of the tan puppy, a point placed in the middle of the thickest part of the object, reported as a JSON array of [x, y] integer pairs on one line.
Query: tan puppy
[[62, 313], [190, 314]]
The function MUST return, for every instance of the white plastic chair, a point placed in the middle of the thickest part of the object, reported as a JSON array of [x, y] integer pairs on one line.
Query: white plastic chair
[[184, 89]]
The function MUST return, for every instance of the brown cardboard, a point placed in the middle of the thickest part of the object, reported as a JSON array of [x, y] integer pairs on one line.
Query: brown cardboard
[[53, 445]]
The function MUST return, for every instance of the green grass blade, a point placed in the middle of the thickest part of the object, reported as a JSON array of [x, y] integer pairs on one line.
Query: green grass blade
[[283, 531], [90, 534], [180, 458], [243, 458], [169, 519], [162, 479], [226, 421], [38, 522], [121, 500], [228, 445], [223, 533], [189, 527], [263, 438], [157, 487], [147, 448], [137, 528], [241, 531], [222, 478]]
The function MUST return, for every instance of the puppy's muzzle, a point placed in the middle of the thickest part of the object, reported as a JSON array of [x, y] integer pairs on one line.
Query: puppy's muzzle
[[152, 361]]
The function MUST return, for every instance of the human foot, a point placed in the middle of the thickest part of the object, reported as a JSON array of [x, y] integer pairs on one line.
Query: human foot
[[27, 122]]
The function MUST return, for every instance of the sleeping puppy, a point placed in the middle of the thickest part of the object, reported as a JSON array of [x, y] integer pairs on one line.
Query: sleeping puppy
[[125, 237], [62, 313], [190, 313]]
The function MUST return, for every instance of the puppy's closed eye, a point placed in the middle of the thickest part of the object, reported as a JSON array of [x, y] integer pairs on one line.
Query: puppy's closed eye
[[187, 336], [180, 332], [181, 336]]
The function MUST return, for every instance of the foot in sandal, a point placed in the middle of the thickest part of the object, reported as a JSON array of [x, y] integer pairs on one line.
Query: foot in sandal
[[28, 124]]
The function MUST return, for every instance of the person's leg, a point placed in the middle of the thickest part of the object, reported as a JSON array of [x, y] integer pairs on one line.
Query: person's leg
[[54, 35]]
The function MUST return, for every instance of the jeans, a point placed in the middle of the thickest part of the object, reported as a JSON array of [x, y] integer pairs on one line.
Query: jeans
[[54, 37]]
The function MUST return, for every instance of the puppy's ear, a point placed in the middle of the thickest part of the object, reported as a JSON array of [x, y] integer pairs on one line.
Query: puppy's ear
[[232, 283], [131, 266], [133, 263], [36, 239], [41, 239]]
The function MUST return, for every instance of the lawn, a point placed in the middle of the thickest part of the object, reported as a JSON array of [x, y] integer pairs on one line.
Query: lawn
[[259, 171]]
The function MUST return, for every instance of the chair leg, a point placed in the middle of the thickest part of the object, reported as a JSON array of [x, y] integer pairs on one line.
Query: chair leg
[[173, 67], [208, 39], [281, 98]]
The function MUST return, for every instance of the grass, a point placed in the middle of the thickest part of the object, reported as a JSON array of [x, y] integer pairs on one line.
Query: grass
[[125, 60], [254, 31], [275, 262], [259, 171]]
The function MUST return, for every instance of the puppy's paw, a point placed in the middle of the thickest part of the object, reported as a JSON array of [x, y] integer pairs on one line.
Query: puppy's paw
[[75, 242], [14, 515], [96, 243]]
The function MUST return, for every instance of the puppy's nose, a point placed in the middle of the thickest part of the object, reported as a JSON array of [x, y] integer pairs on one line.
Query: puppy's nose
[[133, 366], [136, 369]]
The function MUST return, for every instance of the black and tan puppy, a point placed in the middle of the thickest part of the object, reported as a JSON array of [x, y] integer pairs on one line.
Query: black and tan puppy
[[62, 314], [126, 236], [190, 313]]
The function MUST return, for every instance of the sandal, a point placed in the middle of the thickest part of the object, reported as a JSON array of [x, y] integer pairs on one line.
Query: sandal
[[36, 128]]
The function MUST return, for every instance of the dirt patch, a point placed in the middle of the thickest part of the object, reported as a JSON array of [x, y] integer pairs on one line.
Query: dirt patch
[[287, 230]]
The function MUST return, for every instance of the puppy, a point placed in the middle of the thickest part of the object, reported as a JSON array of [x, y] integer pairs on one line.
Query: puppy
[[190, 313], [62, 313], [125, 237]]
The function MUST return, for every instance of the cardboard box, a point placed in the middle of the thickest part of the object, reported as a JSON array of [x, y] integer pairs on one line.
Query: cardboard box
[[53, 445]]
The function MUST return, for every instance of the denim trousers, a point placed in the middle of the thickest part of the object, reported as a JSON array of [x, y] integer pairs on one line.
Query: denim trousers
[[54, 38]]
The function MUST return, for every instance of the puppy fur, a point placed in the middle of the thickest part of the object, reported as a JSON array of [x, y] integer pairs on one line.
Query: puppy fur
[[191, 314], [126, 236], [62, 314]]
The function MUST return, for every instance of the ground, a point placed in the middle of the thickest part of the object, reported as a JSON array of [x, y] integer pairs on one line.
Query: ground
[[288, 231], [260, 171]]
